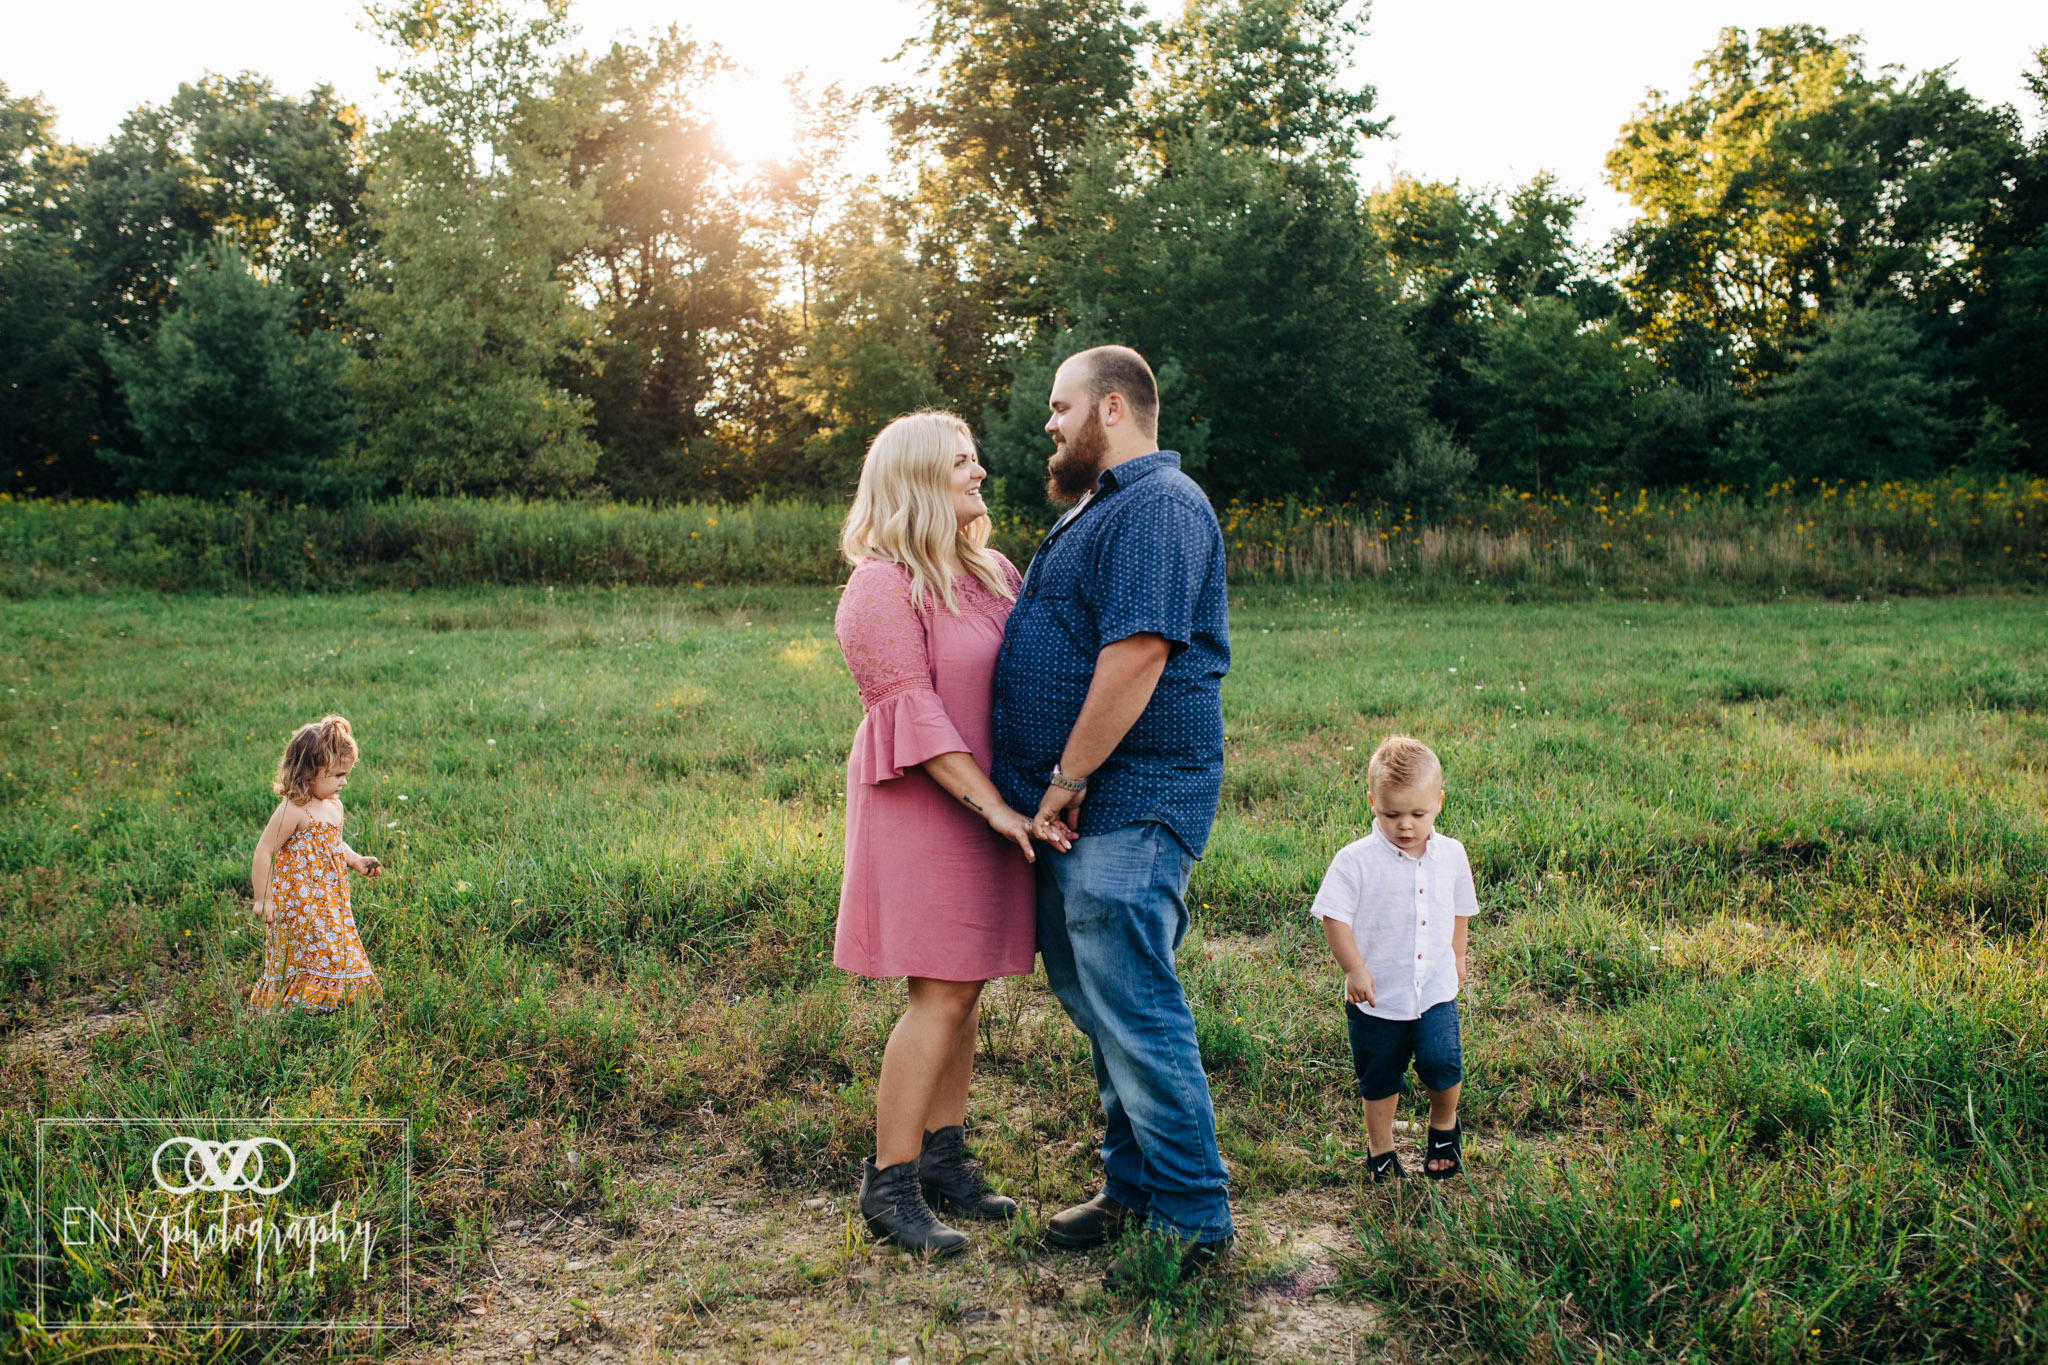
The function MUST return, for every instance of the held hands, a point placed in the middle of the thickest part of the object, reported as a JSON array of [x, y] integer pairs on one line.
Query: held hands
[[369, 867], [1359, 988], [1059, 817], [1014, 828]]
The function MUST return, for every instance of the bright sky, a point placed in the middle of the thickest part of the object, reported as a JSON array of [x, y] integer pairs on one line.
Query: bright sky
[[1487, 92]]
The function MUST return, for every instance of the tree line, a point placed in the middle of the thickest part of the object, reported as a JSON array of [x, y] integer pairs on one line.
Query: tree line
[[544, 274]]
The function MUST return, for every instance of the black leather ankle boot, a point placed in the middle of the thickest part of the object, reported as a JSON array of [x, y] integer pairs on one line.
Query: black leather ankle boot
[[953, 1180], [893, 1205]]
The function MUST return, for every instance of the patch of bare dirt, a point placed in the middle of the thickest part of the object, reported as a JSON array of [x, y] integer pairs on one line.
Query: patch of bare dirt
[[60, 1047], [760, 1275]]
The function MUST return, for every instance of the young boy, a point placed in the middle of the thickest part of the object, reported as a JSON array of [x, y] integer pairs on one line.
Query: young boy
[[1394, 906]]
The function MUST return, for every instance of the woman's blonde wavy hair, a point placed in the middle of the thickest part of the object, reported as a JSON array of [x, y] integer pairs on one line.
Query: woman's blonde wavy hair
[[903, 512]]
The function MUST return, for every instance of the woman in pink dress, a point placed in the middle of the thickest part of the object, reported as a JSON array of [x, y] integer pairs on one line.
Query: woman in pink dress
[[938, 884]]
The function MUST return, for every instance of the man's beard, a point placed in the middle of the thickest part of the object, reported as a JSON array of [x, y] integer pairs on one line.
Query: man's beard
[[1076, 464]]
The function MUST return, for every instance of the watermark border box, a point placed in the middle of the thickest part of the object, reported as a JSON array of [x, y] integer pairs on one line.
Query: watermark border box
[[404, 1323]]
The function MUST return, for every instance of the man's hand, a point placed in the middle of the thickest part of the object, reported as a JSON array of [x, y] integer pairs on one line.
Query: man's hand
[[1359, 988], [1059, 817]]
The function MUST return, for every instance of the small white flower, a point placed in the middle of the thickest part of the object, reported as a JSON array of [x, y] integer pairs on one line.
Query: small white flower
[[491, 741], [391, 824], [404, 798], [1349, 747], [1871, 984], [1454, 670]]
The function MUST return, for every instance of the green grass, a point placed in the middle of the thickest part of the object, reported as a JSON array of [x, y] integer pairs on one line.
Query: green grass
[[1756, 1041]]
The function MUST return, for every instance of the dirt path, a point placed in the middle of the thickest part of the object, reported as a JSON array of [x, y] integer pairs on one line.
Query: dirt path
[[768, 1276]]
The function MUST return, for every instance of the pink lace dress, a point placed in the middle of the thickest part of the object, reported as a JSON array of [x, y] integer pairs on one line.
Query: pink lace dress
[[930, 890]]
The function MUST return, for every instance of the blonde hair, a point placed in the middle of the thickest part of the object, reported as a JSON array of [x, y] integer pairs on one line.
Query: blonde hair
[[322, 744], [1402, 762], [903, 512]]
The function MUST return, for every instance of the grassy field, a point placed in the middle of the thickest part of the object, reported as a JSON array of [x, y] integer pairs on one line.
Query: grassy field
[[1758, 1066]]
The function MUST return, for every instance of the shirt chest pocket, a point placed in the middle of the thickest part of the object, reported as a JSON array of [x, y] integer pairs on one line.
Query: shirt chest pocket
[[1059, 583], [1433, 910]]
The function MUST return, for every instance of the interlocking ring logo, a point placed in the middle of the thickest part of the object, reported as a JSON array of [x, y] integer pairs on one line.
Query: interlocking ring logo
[[223, 1167]]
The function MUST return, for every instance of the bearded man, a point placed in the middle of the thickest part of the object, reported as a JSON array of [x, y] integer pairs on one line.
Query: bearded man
[[1109, 724]]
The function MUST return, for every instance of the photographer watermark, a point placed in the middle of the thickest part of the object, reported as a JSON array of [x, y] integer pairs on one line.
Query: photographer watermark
[[251, 1223]]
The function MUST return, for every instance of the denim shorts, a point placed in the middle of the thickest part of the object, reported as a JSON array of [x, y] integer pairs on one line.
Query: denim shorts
[[1382, 1048]]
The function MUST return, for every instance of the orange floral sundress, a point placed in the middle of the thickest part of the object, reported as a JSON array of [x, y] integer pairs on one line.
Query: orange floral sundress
[[312, 957]]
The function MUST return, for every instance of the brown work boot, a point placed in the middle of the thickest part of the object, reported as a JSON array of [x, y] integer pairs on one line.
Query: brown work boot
[[1090, 1224]]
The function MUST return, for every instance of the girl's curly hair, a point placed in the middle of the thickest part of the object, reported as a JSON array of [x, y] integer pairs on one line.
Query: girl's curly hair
[[325, 742]]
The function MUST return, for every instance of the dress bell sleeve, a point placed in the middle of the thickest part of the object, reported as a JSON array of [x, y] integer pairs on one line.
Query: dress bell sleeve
[[884, 644]]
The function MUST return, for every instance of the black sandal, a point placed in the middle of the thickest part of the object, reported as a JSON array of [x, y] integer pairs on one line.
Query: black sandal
[[1445, 1144], [1386, 1166]]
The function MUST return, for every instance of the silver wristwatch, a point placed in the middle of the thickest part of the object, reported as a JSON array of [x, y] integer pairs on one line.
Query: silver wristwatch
[[1061, 780]]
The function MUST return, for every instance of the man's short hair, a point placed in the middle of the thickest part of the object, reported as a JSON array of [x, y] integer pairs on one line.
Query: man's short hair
[[1119, 369]]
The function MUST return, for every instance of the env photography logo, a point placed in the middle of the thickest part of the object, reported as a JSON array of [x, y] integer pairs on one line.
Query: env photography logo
[[147, 1224], [223, 1166]]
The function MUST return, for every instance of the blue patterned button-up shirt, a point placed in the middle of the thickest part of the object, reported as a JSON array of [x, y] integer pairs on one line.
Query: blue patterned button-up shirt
[[1142, 555]]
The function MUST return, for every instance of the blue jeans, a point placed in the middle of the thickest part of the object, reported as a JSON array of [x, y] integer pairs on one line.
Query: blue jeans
[[1110, 914]]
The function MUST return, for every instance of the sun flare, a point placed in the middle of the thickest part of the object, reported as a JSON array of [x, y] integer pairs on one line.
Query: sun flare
[[754, 116]]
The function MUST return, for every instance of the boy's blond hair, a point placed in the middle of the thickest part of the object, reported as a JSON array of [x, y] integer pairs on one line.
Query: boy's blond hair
[[1402, 762], [324, 743]]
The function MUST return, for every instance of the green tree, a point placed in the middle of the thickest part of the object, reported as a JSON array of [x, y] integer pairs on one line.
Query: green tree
[[1464, 262], [1258, 278], [1558, 396], [476, 325], [226, 396], [1787, 175], [1008, 95], [52, 374], [684, 390], [871, 354], [2006, 332], [1861, 401], [228, 159], [1266, 74]]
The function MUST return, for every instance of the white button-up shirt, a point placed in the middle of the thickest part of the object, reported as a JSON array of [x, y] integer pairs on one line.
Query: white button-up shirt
[[1402, 912]]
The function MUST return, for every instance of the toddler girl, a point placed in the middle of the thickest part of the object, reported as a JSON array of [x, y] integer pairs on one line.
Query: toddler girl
[[311, 955]]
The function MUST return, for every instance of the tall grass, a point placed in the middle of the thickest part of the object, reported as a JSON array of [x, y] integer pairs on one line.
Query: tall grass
[[1839, 540]]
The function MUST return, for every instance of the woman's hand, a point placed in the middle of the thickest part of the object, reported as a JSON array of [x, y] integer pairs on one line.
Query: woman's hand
[[1015, 828], [265, 911]]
